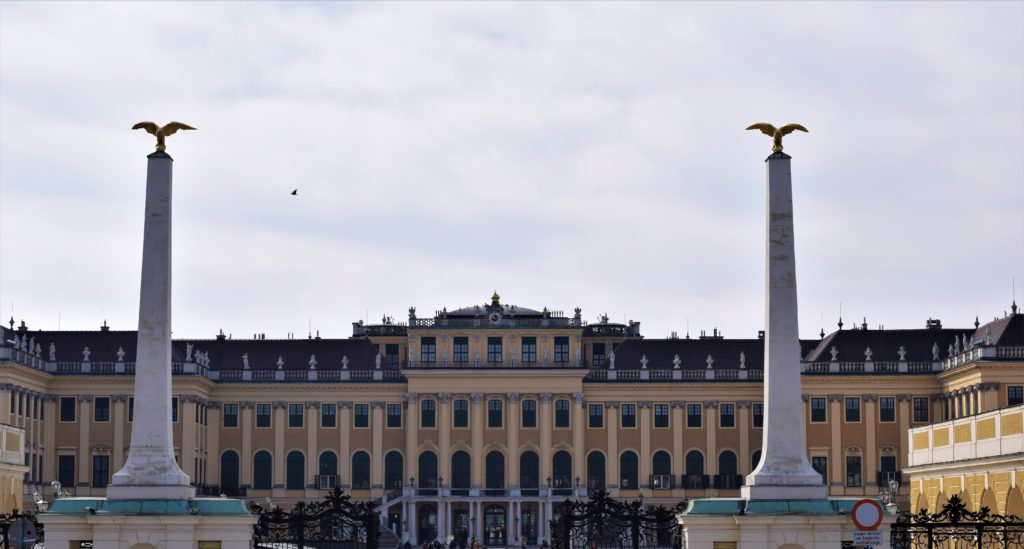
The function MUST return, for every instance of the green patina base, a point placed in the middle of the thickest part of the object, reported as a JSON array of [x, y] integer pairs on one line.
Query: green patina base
[[103, 506], [737, 506]]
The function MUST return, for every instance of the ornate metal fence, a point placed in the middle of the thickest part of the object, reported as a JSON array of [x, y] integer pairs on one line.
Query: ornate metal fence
[[20, 530], [954, 527], [604, 523], [335, 523]]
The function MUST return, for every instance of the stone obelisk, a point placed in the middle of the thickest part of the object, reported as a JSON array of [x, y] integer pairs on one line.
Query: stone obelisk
[[151, 471], [784, 472]]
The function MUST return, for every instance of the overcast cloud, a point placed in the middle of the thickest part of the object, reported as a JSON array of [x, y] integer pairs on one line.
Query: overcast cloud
[[565, 155]]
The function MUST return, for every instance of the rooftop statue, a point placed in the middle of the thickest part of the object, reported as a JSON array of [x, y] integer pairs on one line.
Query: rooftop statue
[[161, 131], [776, 133]]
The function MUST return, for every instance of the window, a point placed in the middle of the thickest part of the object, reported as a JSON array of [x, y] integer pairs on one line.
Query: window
[[131, 409], [67, 408], [529, 414], [263, 414], [818, 410], [460, 419], [66, 470], [428, 414], [820, 464], [174, 409], [628, 416], [328, 415], [852, 409], [391, 354], [295, 471], [758, 412], [596, 416], [494, 414], [230, 415], [920, 409], [598, 354], [428, 349], [494, 350], [461, 349], [1014, 395], [561, 349], [295, 415], [562, 413], [262, 470], [101, 409], [727, 415], [100, 471], [661, 415], [853, 471], [694, 414], [361, 417], [529, 349], [394, 416], [360, 471], [886, 409]]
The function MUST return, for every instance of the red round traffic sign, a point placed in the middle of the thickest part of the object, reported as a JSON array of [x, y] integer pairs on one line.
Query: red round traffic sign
[[866, 514]]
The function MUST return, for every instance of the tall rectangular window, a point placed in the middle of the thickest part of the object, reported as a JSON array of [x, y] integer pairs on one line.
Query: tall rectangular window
[[394, 416], [361, 416], [460, 414], [263, 415], [1014, 395], [595, 416], [726, 415], [529, 414], [494, 350], [886, 409], [628, 415], [428, 414], [820, 464], [920, 409], [66, 470], [853, 477], [529, 349], [562, 413], [758, 413], [295, 415], [561, 349], [230, 418], [101, 409], [494, 414], [461, 349], [694, 414], [852, 409], [67, 408], [819, 412], [100, 471], [428, 349], [328, 415], [661, 415], [391, 354], [598, 354]]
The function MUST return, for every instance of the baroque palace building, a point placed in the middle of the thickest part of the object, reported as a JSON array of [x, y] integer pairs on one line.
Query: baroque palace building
[[477, 422]]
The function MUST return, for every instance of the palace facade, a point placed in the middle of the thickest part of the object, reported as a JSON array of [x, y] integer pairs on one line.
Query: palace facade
[[476, 422]]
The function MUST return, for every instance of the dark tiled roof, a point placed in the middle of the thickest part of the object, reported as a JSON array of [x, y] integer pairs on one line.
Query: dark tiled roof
[[885, 344], [1007, 331]]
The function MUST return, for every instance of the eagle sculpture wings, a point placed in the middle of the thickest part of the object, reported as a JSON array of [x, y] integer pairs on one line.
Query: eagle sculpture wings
[[776, 133], [161, 131]]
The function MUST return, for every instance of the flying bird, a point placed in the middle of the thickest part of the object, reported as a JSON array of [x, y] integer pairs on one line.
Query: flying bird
[[776, 133], [295, 192], [161, 131]]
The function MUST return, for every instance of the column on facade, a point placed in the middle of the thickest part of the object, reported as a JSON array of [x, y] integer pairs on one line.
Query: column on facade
[[835, 422], [344, 425], [444, 437], [213, 423], [743, 423], [280, 425], [477, 439], [545, 436], [377, 457], [711, 431], [312, 456], [84, 422], [870, 460], [246, 424], [187, 417], [512, 439], [412, 428], [119, 403], [579, 428]]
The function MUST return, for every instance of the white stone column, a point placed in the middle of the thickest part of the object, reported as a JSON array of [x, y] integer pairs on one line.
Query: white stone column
[[784, 471], [150, 471]]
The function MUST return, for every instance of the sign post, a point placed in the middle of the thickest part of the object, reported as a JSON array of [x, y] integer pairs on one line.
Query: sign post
[[867, 515]]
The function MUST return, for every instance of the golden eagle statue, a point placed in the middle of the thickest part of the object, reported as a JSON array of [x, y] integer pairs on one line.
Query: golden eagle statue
[[776, 133], [161, 131]]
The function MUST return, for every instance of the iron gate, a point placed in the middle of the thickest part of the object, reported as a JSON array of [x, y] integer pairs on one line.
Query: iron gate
[[954, 527], [604, 523], [335, 523]]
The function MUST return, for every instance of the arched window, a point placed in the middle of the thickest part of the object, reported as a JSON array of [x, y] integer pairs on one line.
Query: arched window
[[529, 471], [661, 463], [595, 471], [296, 471], [755, 460], [460, 471], [360, 471], [727, 463], [428, 470], [229, 473], [393, 470], [262, 470], [561, 470], [628, 471], [694, 463], [495, 472]]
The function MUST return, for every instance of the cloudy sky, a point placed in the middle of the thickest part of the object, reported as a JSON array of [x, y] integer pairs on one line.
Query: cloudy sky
[[563, 154]]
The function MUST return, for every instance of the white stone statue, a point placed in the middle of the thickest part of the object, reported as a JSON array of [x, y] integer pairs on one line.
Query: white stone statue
[[611, 360], [245, 361], [643, 362], [903, 353], [867, 354], [834, 352], [935, 352], [676, 362], [280, 363], [743, 361], [85, 354], [312, 362], [120, 354], [709, 361], [344, 362], [376, 361], [53, 352], [188, 351]]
